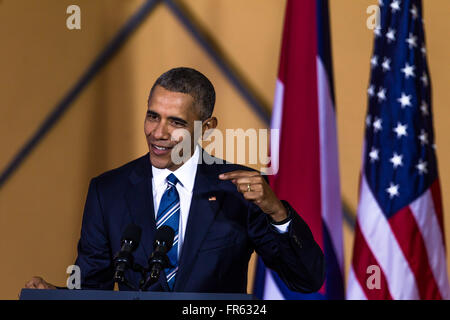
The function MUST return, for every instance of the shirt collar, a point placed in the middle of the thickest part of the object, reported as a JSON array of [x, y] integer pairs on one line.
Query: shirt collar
[[185, 174]]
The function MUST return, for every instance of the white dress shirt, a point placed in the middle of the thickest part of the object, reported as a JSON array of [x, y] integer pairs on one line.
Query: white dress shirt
[[186, 178]]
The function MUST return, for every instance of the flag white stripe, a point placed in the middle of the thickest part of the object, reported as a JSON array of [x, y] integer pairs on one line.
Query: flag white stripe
[[277, 115], [384, 246], [423, 211], [354, 290], [329, 165], [271, 290]]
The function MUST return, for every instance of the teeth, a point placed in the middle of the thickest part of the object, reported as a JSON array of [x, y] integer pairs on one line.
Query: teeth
[[160, 148]]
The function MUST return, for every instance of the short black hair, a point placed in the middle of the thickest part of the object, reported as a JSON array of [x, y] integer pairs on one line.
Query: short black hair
[[192, 82]]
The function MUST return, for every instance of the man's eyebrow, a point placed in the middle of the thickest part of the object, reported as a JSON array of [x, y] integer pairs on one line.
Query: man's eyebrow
[[170, 118], [152, 112], [178, 120]]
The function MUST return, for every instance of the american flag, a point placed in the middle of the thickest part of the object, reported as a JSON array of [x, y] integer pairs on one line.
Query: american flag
[[306, 155], [399, 233]]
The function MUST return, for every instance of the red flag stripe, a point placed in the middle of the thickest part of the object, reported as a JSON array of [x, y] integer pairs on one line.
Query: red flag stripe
[[298, 177], [362, 259], [410, 240], [384, 247], [426, 218], [437, 201]]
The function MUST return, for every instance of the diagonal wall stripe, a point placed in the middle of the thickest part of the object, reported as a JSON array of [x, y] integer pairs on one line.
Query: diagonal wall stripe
[[205, 41], [102, 59]]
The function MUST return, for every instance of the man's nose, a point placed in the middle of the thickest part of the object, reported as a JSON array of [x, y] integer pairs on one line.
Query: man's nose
[[161, 131]]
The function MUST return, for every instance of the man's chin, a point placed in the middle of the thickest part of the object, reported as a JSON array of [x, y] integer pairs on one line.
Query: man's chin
[[162, 163], [166, 162], [159, 163]]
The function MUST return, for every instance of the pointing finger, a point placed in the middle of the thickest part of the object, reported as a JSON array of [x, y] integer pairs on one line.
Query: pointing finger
[[237, 174]]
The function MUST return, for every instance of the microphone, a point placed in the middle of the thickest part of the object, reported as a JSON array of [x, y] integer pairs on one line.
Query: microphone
[[159, 260], [124, 259]]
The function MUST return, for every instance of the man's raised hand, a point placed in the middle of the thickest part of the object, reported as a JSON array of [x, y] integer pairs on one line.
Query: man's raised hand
[[255, 188]]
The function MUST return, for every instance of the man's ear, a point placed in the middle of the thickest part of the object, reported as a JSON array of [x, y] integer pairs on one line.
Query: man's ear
[[209, 123]]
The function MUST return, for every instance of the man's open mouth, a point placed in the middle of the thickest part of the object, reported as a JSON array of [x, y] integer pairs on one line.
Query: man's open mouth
[[160, 150]]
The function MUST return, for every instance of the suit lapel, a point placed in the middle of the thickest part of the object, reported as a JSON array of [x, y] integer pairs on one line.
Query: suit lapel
[[201, 215], [139, 198]]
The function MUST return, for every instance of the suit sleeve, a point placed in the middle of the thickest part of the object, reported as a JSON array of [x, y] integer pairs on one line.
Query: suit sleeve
[[294, 255], [94, 251]]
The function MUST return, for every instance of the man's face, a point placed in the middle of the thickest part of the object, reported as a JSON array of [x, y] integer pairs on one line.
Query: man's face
[[167, 111]]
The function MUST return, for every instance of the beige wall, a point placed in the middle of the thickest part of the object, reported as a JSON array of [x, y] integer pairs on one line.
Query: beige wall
[[40, 59]]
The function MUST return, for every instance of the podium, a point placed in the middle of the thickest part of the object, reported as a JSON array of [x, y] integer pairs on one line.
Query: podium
[[48, 294]]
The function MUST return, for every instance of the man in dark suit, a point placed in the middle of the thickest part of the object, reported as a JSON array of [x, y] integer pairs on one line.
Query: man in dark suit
[[223, 211]]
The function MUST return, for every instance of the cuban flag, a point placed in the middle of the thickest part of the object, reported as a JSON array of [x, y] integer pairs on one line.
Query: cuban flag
[[304, 156]]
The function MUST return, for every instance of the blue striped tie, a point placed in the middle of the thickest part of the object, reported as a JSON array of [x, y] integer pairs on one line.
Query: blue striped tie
[[169, 215]]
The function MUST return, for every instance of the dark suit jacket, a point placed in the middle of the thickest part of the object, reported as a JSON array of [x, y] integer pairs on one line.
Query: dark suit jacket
[[220, 235]]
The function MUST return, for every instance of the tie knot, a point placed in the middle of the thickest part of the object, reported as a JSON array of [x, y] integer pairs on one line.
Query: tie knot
[[171, 179]]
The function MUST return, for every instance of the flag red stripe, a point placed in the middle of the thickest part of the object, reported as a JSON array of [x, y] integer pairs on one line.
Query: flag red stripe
[[362, 259], [298, 178], [410, 240], [437, 201]]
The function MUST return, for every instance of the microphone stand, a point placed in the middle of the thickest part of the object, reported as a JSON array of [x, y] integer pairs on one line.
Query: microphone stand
[[146, 281], [120, 277], [124, 281], [157, 258]]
